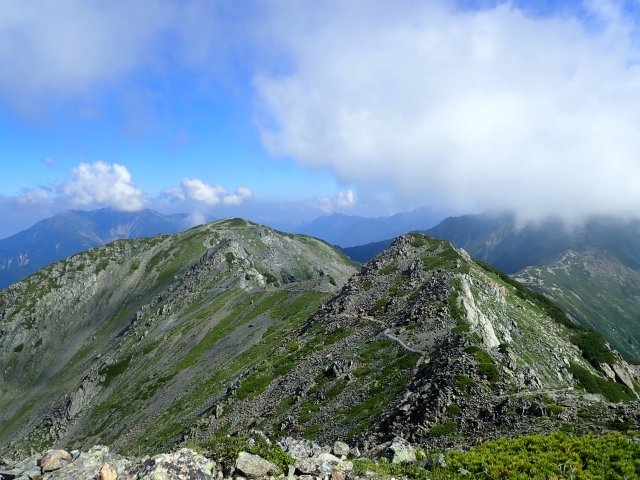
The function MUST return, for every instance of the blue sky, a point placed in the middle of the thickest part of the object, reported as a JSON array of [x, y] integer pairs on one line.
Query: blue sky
[[286, 110]]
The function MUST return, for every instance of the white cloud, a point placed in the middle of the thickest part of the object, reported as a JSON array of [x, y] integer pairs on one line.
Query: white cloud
[[37, 196], [341, 200], [465, 109], [238, 197], [197, 190], [101, 183], [345, 199], [174, 193]]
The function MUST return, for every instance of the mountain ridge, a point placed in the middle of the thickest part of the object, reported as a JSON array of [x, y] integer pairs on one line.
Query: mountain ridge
[[232, 326], [537, 252], [74, 231]]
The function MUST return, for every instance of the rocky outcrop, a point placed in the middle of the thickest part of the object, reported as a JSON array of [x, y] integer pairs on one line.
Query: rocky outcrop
[[100, 463], [254, 466]]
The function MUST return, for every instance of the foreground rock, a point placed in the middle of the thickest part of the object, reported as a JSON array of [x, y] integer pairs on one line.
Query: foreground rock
[[54, 460], [254, 466], [184, 464], [309, 459]]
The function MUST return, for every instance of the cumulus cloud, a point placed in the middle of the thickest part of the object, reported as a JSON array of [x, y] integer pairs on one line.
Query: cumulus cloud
[[473, 109], [341, 200], [101, 183], [241, 194], [196, 190]]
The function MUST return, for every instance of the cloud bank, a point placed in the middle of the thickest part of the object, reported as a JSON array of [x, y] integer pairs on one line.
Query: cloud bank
[[57, 48], [473, 110]]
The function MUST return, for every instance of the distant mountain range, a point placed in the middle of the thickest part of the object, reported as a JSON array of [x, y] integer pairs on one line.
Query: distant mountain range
[[75, 231], [591, 269], [349, 230]]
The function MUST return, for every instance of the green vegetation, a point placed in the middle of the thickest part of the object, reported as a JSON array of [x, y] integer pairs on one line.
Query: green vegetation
[[443, 256], [269, 357], [397, 470], [525, 293], [593, 347], [229, 257], [486, 365], [612, 391], [102, 265], [253, 386], [270, 278], [389, 269], [418, 239], [464, 383], [387, 381], [557, 456], [373, 350], [453, 409], [225, 448], [110, 372], [366, 286], [380, 306], [591, 343], [19, 347], [456, 310], [442, 429], [555, 409], [332, 336], [398, 286], [597, 289]]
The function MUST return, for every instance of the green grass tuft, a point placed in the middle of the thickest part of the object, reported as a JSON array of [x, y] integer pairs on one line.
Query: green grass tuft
[[612, 391]]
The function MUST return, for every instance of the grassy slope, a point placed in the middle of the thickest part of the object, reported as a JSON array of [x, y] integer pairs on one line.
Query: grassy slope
[[597, 290], [156, 323]]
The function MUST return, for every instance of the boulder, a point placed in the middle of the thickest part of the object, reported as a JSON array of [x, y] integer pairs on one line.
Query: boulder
[[182, 465], [323, 465], [254, 466], [328, 464], [400, 451], [340, 449], [26, 468], [107, 472], [90, 464], [54, 460]]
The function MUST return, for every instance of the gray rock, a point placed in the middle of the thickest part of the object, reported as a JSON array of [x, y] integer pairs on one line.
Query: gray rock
[[254, 466], [328, 463], [323, 465], [26, 468], [89, 464], [184, 464], [400, 451], [436, 460], [340, 449]]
